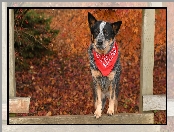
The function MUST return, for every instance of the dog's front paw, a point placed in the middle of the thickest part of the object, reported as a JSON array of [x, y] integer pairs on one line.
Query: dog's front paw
[[110, 111], [98, 112]]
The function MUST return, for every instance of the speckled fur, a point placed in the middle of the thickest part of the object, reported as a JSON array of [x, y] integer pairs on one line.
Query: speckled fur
[[104, 86], [102, 80]]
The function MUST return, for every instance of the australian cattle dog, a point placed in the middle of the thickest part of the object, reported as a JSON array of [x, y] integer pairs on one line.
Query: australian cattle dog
[[105, 64]]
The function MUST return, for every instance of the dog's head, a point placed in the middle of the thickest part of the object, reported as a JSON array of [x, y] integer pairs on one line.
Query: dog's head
[[102, 33]]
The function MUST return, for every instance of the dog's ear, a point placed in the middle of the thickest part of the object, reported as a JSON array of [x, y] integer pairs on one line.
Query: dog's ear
[[91, 20], [116, 26]]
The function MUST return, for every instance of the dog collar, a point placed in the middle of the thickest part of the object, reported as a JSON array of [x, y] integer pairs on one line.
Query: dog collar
[[106, 62]]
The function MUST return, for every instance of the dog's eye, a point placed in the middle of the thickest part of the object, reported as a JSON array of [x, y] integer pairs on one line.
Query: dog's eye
[[105, 32], [96, 32]]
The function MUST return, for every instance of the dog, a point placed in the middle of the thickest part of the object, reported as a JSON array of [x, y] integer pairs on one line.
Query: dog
[[105, 64]]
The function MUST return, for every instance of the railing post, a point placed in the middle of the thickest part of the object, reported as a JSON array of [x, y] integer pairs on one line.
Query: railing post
[[12, 82], [147, 54]]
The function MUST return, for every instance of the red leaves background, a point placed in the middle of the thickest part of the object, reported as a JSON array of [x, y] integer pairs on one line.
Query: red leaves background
[[62, 84]]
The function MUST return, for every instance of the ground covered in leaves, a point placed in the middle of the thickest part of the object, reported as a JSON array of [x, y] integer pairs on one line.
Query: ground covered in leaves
[[62, 85]]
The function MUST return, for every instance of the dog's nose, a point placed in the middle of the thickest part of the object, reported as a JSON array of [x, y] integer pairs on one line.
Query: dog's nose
[[100, 42]]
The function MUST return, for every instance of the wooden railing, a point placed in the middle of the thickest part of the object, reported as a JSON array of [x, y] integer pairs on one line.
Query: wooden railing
[[148, 101]]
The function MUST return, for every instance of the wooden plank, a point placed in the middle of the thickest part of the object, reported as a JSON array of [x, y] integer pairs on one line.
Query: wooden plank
[[121, 118], [81, 128], [154, 102], [12, 83], [19, 105], [155, 4], [147, 54], [164, 4], [170, 107]]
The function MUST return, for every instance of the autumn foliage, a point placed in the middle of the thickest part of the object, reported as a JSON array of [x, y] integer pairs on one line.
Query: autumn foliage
[[62, 84]]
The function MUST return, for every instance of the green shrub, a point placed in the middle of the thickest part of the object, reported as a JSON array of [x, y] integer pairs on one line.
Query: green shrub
[[32, 36]]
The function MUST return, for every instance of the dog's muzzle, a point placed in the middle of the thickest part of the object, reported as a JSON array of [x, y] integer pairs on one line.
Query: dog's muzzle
[[99, 42], [100, 39]]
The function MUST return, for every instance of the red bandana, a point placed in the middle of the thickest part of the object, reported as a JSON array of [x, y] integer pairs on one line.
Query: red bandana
[[105, 62]]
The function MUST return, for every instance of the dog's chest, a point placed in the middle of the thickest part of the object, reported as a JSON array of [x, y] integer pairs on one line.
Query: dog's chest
[[104, 82]]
